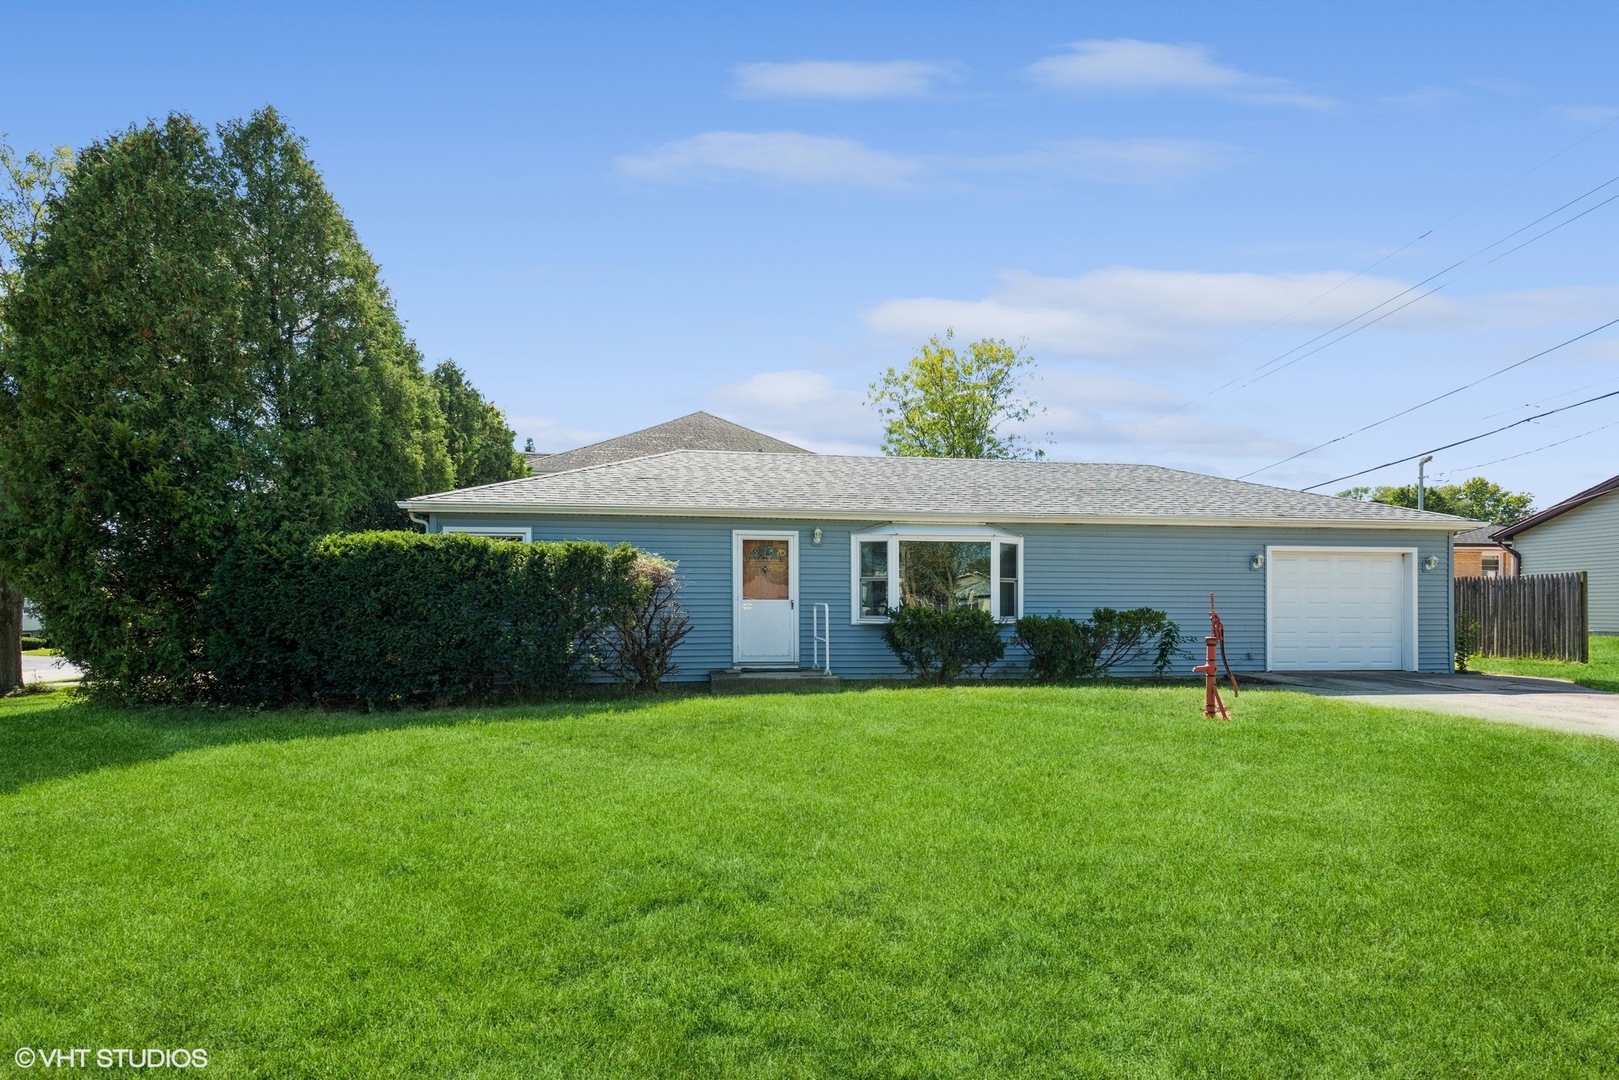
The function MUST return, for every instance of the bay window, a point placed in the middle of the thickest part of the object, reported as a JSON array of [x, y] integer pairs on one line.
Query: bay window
[[937, 567]]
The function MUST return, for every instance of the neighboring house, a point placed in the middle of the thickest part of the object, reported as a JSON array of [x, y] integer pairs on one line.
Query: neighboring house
[[1579, 533], [697, 431], [30, 619], [1480, 554], [768, 543]]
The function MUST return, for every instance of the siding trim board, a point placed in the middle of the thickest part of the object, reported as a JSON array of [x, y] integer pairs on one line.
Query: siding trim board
[[1066, 569]]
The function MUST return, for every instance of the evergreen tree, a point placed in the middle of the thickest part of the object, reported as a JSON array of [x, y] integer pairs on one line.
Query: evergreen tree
[[479, 441], [198, 353]]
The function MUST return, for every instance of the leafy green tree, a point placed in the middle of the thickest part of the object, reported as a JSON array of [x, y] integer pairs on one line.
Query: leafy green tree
[[1477, 498], [478, 439], [198, 354], [30, 180], [946, 404]]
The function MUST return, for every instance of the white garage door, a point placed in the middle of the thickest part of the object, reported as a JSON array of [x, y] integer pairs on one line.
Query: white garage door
[[1342, 611]]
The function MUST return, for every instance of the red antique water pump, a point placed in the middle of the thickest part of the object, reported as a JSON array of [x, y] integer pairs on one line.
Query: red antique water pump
[[1210, 668]]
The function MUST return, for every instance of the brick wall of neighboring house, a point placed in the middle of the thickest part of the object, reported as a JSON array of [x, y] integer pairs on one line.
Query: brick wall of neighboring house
[[1470, 561]]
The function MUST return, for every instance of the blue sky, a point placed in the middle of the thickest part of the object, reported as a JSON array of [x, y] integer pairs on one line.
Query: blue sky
[[615, 214]]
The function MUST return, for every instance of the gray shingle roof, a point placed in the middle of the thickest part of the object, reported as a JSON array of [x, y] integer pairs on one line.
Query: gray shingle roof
[[717, 483], [695, 431], [1485, 534]]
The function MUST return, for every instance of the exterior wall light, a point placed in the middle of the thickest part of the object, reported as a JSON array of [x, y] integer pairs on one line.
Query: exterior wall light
[[1430, 563], [1256, 562], [815, 537]]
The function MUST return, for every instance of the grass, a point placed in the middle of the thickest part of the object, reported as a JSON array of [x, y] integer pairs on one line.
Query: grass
[[914, 883], [1602, 673]]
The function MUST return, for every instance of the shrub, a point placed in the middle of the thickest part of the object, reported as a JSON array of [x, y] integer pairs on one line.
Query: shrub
[[1063, 649], [30, 642], [939, 645], [1466, 642], [638, 648], [386, 618], [1123, 637], [1059, 649]]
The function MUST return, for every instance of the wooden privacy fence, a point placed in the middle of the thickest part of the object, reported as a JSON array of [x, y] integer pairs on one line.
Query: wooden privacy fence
[[1538, 615]]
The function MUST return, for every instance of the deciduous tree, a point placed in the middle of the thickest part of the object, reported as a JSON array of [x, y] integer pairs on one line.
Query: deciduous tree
[[949, 404], [1476, 498], [30, 180]]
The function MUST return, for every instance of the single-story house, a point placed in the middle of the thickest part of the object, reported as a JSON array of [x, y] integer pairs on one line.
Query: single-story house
[[30, 619], [1480, 554], [694, 431], [776, 549], [1579, 533]]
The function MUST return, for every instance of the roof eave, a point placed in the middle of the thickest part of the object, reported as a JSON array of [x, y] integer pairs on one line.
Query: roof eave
[[1439, 524]]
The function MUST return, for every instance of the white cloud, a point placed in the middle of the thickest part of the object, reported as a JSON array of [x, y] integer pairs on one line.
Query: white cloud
[[1128, 65], [784, 156], [1125, 311], [1127, 161], [797, 158], [552, 436], [841, 80], [1425, 99], [803, 407], [1587, 114]]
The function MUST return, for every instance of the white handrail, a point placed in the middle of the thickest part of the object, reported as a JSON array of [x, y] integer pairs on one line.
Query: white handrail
[[819, 639]]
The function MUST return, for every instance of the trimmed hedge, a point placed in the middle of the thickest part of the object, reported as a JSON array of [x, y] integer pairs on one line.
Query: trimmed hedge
[[381, 619], [937, 646]]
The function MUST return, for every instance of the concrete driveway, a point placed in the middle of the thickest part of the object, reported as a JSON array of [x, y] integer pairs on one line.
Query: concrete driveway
[[1544, 703], [48, 669]]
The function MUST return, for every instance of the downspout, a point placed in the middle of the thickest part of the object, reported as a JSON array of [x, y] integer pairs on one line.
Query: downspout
[[425, 523]]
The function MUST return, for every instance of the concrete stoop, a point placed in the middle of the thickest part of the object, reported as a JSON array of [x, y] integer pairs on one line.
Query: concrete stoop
[[772, 681]]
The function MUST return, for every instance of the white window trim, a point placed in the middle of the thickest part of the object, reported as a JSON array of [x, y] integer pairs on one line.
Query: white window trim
[[969, 534], [1412, 658], [508, 532]]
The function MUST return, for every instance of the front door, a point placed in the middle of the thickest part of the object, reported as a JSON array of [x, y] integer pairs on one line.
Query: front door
[[765, 580]]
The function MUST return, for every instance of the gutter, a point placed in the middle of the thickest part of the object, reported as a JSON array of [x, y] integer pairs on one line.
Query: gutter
[[1439, 524]]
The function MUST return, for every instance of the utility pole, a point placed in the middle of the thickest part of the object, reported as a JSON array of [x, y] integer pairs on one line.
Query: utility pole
[[1422, 483]]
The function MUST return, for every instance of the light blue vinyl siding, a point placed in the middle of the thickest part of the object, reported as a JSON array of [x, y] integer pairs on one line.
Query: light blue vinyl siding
[[1068, 569], [1584, 538]]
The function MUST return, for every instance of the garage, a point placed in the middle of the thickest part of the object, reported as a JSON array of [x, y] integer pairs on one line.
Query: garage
[[1341, 609]]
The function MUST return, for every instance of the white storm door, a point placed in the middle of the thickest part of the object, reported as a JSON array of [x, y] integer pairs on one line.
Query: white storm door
[[764, 573], [1338, 610]]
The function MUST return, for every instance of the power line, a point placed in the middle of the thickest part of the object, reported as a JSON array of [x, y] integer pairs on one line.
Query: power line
[[1461, 442], [1430, 401], [1526, 453], [1356, 318], [1436, 288], [1551, 397]]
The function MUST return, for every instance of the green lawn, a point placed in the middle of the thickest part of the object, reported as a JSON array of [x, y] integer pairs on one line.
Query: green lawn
[[920, 883], [1602, 673]]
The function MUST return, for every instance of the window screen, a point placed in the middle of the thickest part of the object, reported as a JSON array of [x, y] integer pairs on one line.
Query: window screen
[[873, 578], [1008, 578]]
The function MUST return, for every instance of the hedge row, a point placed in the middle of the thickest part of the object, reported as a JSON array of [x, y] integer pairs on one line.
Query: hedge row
[[387, 618]]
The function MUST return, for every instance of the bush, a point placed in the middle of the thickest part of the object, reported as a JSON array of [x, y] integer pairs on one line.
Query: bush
[[1064, 649], [1059, 649], [29, 642], [1466, 642], [939, 645], [638, 649], [386, 618]]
